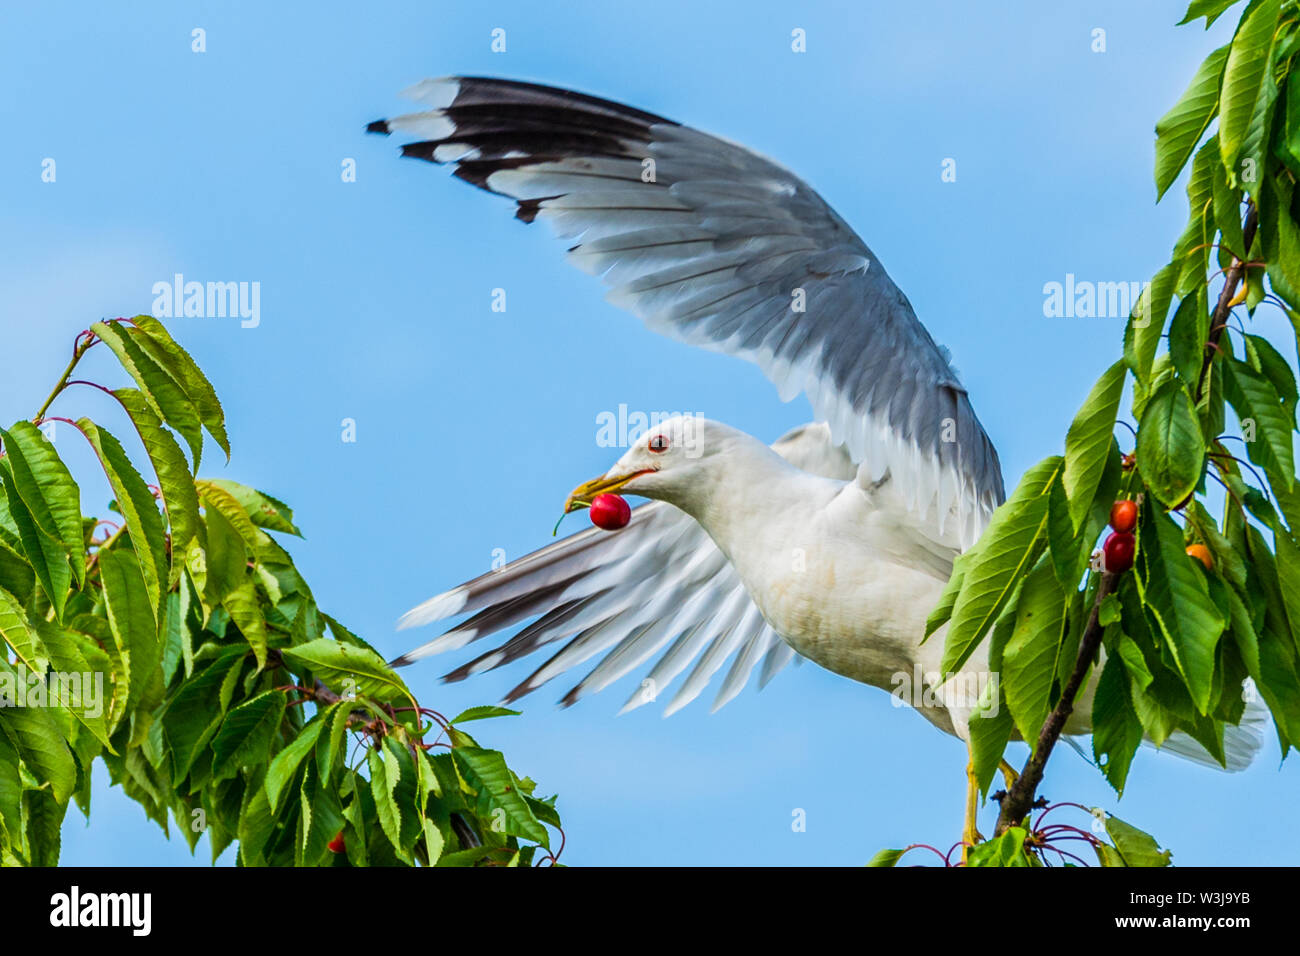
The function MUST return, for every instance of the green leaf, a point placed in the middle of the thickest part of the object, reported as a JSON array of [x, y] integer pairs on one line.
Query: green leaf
[[1116, 729], [180, 498], [285, 765], [165, 397], [1180, 129], [138, 506], [486, 772], [1256, 402], [1108, 612], [1006, 850], [1170, 449], [384, 777], [247, 733], [48, 558], [164, 350], [1147, 323], [255, 540], [344, 667], [1029, 661], [1008, 548], [1210, 9], [246, 611], [1087, 444], [321, 818], [1172, 587], [942, 611], [990, 731], [1188, 331], [47, 489], [33, 733], [1276, 369], [195, 713], [131, 619], [263, 510], [886, 858], [1137, 848], [1244, 72], [482, 712]]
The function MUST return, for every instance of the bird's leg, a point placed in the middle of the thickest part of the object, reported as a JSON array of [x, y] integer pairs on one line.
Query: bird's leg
[[1008, 773], [969, 834]]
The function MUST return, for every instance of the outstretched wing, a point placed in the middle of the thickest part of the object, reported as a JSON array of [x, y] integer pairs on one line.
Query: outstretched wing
[[660, 586], [715, 245]]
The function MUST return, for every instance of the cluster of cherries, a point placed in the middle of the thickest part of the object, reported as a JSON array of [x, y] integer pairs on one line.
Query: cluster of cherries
[[1117, 551]]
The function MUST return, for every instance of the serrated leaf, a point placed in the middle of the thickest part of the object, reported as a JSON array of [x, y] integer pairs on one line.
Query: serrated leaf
[[246, 611], [1014, 538], [486, 772], [1116, 729], [163, 349], [47, 489], [1210, 9], [1088, 441], [247, 733], [130, 618], [1029, 661], [263, 510], [165, 397], [32, 732], [180, 498], [1243, 73], [1256, 401], [342, 666], [138, 506], [1147, 323], [194, 715], [1180, 129], [1136, 848], [48, 558], [1170, 448], [1174, 590], [887, 858], [1188, 331], [284, 766], [482, 712]]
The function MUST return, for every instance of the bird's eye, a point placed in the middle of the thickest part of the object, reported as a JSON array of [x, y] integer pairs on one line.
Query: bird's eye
[[658, 444]]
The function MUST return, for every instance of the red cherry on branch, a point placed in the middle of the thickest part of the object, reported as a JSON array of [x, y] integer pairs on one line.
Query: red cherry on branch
[[610, 512], [1117, 552], [337, 845], [1124, 516]]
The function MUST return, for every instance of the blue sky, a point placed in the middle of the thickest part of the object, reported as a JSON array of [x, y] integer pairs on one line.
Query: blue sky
[[472, 425]]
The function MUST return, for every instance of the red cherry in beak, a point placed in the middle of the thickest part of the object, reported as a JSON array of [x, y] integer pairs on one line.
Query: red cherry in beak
[[610, 512], [337, 845], [1117, 552]]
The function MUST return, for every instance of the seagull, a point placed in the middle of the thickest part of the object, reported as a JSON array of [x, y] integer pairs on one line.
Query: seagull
[[832, 544]]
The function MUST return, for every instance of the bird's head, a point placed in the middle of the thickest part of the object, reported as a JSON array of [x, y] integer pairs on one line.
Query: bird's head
[[675, 461]]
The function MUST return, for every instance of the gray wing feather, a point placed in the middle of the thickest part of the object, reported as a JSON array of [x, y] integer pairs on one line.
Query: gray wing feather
[[660, 586], [714, 245]]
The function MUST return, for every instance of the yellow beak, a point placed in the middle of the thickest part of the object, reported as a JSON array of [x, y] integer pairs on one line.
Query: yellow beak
[[581, 496]]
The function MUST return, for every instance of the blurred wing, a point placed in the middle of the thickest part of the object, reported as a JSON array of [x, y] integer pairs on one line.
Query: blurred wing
[[717, 246], [659, 586]]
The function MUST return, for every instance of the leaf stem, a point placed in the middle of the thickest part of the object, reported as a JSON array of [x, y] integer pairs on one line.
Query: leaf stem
[[82, 345]]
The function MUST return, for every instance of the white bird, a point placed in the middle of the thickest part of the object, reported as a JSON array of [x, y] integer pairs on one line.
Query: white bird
[[833, 544]]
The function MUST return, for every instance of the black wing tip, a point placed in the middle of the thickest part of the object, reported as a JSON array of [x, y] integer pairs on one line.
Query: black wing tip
[[378, 126]]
